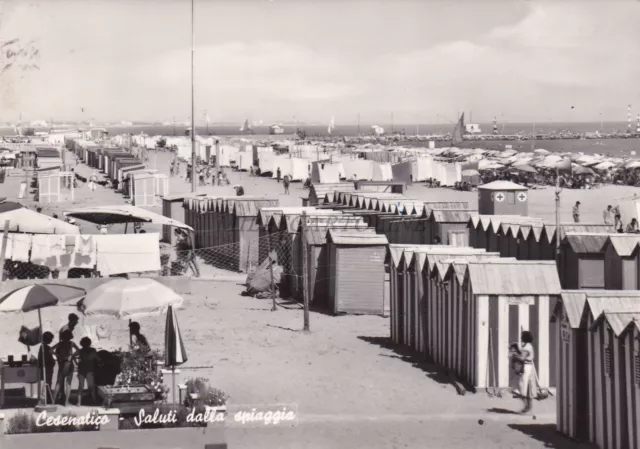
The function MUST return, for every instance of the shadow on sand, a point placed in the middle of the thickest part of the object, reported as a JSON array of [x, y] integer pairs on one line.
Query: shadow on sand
[[549, 436], [433, 370]]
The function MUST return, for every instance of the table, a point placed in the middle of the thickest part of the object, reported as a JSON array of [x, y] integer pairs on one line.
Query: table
[[127, 399], [25, 374]]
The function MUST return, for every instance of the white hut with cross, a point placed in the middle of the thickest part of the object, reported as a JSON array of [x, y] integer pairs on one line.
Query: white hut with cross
[[503, 198]]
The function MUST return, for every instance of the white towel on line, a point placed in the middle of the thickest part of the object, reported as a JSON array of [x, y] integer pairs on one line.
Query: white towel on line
[[18, 247], [128, 253], [47, 249]]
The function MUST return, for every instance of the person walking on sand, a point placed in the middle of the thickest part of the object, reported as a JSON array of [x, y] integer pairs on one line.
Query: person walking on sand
[[527, 384], [285, 182], [278, 174], [607, 215], [576, 212], [92, 181]]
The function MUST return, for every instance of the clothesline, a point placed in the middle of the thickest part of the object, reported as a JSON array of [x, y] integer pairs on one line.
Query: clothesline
[[108, 254]]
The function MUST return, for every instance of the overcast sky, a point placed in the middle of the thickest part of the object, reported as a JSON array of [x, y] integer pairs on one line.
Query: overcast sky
[[422, 60]]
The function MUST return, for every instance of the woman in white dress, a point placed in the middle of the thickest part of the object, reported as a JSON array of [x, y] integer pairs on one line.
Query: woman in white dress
[[527, 378]]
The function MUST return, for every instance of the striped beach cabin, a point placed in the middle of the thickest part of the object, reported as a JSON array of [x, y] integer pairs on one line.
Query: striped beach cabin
[[598, 391], [500, 298]]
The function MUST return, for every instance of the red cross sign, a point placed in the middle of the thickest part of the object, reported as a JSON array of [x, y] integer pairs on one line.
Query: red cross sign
[[522, 196], [499, 197]]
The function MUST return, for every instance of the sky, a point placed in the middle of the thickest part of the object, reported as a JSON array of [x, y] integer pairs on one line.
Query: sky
[[424, 61]]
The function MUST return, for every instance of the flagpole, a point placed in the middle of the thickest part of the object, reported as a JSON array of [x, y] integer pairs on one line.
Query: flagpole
[[193, 108]]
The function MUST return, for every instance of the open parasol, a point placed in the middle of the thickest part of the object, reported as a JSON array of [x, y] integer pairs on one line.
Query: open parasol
[[36, 297], [129, 298]]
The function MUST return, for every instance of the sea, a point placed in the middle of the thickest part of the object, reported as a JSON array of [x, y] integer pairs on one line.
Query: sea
[[625, 147]]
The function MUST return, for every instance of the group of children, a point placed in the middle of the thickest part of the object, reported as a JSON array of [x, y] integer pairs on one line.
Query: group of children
[[67, 355]]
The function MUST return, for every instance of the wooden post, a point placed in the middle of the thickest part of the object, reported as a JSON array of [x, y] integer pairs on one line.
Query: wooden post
[[273, 284], [218, 161], [305, 287], [3, 252], [248, 266]]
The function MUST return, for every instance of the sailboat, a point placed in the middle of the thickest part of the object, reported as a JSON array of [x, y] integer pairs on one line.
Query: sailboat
[[332, 125], [246, 127], [458, 131], [495, 126], [638, 124]]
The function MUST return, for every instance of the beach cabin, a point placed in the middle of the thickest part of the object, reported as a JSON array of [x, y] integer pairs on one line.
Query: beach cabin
[[143, 189], [503, 198], [396, 290], [436, 293], [324, 193], [445, 223], [581, 264], [322, 224], [615, 364], [598, 387], [318, 264], [172, 207], [48, 158], [502, 297], [244, 212], [508, 235], [621, 262], [357, 272]]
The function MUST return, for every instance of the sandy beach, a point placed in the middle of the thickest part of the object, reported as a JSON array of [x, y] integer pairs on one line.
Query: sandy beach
[[351, 387]]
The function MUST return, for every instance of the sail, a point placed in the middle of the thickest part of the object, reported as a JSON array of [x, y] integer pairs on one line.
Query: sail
[[332, 125], [495, 126], [207, 118], [246, 126], [458, 131]]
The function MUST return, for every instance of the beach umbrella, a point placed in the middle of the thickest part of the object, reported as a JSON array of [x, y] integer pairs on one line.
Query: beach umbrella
[[470, 172], [541, 151], [632, 164], [174, 352], [606, 165], [129, 298], [525, 168], [36, 297], [580, 170]]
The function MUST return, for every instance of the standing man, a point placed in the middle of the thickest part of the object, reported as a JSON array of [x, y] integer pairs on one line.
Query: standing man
[[70, 326], [617, 217], [576, 212], [607, 215], [278, 174]]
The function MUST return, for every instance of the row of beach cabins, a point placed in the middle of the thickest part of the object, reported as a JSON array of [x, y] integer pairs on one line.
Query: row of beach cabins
[[463, 301]]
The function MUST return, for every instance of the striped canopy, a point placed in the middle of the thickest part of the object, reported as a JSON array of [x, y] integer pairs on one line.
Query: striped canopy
[[174, 352], [33, 297], [129, 298]]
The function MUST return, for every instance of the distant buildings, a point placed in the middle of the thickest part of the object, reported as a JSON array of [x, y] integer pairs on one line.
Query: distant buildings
[[275, 129]]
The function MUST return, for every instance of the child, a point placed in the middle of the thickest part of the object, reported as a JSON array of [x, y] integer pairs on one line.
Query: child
[[47, 362], [87, 359], [64, 353]]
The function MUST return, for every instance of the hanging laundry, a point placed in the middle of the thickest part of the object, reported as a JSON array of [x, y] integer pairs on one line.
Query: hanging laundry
[[80, 252], [47, 250], [128, 253], [18, 247]]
